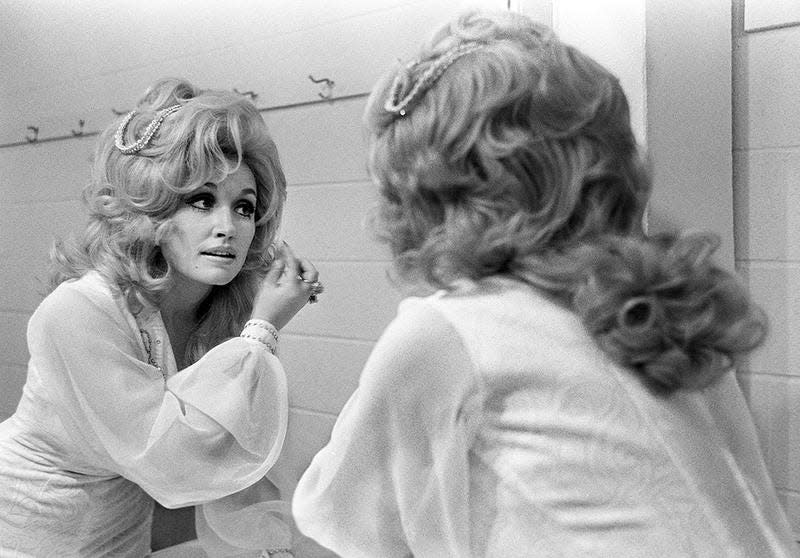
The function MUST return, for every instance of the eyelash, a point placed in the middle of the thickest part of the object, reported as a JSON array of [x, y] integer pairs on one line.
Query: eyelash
[[244, 208], [249, 209]]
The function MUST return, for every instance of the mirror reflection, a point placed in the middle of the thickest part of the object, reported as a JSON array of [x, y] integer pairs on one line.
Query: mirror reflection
[[180, 364]]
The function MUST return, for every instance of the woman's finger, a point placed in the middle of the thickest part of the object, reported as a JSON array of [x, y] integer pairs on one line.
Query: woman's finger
[[276, 269], [292, 265], [308, 272]]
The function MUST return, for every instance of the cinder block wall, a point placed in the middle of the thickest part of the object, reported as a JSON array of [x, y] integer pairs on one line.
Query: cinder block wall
[[54, 76], [766, 87]]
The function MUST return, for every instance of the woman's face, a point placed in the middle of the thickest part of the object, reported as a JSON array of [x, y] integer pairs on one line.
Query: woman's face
[[212, 231]]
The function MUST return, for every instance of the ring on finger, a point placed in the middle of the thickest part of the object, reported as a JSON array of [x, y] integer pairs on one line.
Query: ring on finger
[[316, 289]]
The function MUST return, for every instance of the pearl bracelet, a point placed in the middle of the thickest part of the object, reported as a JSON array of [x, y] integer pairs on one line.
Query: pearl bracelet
[[263, 332], [272, 552]]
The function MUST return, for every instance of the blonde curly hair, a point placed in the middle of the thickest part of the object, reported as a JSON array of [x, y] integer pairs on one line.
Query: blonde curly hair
[[518, 158], [131, 199]]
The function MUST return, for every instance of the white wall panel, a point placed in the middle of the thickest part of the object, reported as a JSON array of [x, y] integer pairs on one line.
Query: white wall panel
[[27, 232], [13, 326], [308, 432], [322, 373], [538, 10], [774, 401], [767, 204], [12, 378], [358, 302], [47, 172], [96, 37], [613, 33], [353, 52], [102, 54], [329, 222], [769, 115], [776, 287], [320, 143], [689, 118], [759, 14]]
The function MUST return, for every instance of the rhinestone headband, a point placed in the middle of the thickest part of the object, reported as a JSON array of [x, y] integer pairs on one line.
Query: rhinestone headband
[[399, 106], [151, 129]]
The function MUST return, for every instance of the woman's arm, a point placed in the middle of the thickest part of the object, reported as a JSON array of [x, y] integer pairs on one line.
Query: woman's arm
[[212, 430], [393, 480]]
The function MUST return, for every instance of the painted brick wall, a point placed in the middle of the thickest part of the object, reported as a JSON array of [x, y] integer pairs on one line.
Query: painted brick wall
[[54, 77], [766, 78]]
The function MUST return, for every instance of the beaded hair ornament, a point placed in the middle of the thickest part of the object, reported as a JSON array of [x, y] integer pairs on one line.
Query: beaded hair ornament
[[400, 106], [151, 129]]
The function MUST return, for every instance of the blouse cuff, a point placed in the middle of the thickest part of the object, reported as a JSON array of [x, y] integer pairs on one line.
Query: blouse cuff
[[263, 332], [246, 393]]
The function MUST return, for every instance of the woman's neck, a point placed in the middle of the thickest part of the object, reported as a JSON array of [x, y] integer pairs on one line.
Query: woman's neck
[[179, 310]]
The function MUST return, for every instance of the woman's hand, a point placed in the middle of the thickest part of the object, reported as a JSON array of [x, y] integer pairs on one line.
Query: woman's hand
[[286, 288]]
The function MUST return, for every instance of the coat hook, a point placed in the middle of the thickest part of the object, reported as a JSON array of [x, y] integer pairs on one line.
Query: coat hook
[[251, 94], [35, 138], [79, 131], [328, 86]]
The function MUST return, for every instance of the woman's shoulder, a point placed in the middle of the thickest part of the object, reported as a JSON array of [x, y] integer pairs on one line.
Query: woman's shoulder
[[85, 297], [507, 326], [91, 285], [501, 300], [419, 352]]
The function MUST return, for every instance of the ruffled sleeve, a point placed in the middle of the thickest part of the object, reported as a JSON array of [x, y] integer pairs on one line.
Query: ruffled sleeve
[[393, 480], [214, 429]]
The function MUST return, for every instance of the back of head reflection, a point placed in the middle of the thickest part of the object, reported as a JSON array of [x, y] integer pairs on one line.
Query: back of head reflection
[[567, 388]]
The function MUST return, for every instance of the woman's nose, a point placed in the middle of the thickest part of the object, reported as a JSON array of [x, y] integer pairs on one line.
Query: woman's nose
[[223, 223]]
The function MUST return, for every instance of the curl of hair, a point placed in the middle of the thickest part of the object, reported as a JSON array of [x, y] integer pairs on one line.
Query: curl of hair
[[131, 199], [663, 309], [520, 160]]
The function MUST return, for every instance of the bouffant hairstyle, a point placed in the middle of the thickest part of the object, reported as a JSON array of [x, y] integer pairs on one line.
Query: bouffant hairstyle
[[131, 198], [502, 150]]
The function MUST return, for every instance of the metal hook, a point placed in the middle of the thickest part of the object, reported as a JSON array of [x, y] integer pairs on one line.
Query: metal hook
[[326, 80], [35, 138], [251, 94], [328, 86], [79, 131]]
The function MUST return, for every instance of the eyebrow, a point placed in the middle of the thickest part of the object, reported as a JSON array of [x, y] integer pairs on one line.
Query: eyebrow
[[214, 187]]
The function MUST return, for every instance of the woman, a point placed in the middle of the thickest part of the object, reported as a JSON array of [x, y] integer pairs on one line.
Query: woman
[[567, 390], [153, 371]]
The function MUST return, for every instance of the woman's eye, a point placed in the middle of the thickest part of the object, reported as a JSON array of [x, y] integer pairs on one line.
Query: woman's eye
[[246, 209], [201, 201]]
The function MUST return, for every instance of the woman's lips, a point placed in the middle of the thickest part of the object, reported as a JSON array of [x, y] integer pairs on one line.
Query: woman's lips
[[221, 255]]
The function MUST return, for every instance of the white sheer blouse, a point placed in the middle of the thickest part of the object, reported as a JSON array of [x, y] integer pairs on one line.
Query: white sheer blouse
[[106, 422], [489, 424]]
